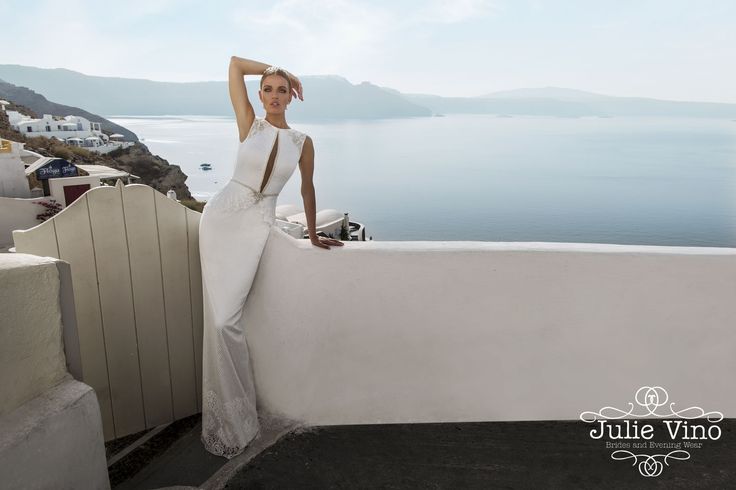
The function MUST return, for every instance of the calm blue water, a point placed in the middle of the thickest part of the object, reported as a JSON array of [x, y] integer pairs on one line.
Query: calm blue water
[[654, 181]]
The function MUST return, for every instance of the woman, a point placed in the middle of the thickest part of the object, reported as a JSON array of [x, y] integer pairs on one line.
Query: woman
[[233, 231]]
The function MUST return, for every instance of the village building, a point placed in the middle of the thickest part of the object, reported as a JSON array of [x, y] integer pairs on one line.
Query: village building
[[27, 178], [64, 181], [72, 130], [24, 173]]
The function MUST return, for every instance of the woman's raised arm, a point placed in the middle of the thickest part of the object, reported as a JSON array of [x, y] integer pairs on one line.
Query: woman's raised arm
[[244, 113]]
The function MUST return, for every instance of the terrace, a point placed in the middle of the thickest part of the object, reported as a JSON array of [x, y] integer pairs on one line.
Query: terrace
[[467, 364]]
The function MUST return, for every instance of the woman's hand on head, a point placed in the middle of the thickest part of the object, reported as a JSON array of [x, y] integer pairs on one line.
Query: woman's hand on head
[[296, 86], [323, 242]]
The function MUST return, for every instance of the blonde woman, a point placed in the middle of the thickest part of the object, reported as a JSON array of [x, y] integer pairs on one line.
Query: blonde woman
[[233, 231]]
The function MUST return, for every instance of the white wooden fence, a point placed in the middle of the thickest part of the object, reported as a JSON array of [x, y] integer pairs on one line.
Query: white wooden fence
[[135, 268]]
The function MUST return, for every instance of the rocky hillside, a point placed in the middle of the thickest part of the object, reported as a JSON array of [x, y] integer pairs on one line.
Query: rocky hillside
[[152, 169], [5, 130], [39, 105], [137, 160]]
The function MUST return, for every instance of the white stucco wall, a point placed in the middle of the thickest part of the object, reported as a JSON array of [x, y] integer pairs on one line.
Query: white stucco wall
[[31, 350], [56, 186], [15, 117], [384, 332], [82, 127], [55, 441], [18, 214], [13, 181], [50, 425]]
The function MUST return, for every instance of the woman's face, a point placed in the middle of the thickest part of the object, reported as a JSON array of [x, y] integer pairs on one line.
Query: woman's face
[[275, 94]]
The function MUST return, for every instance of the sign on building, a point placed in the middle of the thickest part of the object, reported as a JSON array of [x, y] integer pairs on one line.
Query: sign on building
[[56, 168]]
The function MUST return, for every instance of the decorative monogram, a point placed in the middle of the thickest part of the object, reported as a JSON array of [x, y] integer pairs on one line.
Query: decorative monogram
[[630, 434]]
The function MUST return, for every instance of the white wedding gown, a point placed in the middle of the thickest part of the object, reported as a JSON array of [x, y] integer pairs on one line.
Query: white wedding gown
[[233, 231]]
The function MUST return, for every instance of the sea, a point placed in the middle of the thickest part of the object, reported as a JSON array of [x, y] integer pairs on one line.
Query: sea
[[617, 180]]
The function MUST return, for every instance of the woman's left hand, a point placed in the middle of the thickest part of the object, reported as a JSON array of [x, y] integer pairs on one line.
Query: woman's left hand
[[296, 86], [323, 242]]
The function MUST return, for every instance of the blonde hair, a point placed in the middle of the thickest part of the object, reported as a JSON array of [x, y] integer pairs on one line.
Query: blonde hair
[[275, 70]]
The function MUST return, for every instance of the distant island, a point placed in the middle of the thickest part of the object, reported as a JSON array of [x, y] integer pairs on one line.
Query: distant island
[[332, 97], [328, 97]]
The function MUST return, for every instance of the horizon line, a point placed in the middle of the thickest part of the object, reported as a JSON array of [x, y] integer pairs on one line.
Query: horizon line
[[486, 95]]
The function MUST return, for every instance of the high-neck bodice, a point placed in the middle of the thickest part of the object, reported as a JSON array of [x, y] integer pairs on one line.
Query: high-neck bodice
[[255, 150]]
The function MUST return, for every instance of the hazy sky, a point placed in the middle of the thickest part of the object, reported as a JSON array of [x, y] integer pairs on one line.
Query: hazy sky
[[668, 49]]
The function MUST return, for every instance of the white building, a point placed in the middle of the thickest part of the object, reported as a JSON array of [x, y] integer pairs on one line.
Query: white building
[[63, 128], [13, 181], [15, 117], [52, 178], [73, 130], [62, 181]]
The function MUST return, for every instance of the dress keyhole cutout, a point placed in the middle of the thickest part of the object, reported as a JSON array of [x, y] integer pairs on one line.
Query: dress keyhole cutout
[[271, 163]]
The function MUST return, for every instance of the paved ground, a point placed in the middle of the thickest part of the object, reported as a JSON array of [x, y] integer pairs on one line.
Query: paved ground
[[484, 455], [173, 457], [474, 455]]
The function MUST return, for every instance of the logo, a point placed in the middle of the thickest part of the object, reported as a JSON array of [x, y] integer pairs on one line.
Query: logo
[[687, 429]]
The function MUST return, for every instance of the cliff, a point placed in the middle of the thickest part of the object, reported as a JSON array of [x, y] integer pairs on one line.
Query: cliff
[[40, 105], [152, 169], [137, 159]]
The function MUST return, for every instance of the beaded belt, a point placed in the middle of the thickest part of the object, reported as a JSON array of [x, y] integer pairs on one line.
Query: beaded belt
[[259, 195]]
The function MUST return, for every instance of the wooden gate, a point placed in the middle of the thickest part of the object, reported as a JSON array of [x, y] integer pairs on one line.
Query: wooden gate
[[134, 259]]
